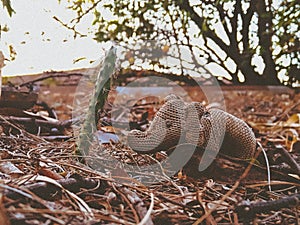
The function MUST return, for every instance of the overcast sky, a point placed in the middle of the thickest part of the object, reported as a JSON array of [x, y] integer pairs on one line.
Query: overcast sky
[[41, 43]]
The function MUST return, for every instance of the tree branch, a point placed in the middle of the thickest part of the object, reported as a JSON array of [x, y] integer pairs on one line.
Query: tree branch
[[55, 75], [222, 64], [223, 18], [77, 19], [246, 19], [72, 28], [185, 5], [234, 24], [265, 42]]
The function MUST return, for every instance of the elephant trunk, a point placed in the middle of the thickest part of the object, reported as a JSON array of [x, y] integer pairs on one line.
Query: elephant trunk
[[165, 131]]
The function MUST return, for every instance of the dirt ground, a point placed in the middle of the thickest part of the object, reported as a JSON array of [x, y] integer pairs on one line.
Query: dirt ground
[[51, 183]]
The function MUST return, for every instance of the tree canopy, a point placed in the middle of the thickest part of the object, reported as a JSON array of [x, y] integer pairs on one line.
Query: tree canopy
[[256, 42]]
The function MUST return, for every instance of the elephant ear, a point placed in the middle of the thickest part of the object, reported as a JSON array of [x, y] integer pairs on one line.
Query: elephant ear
[[194, 130], [205, 130]]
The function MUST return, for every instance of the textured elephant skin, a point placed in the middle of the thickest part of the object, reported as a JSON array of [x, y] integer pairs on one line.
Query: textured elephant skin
[[212, 129]]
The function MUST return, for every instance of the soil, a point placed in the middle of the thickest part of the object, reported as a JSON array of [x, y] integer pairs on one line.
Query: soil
[[53, 183]]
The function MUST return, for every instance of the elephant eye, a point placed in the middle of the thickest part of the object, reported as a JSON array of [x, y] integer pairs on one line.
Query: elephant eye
[[168, 123], [206, 114]]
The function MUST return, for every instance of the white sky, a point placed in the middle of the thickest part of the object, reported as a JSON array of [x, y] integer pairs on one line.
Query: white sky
[[34, 52], [56, 49]]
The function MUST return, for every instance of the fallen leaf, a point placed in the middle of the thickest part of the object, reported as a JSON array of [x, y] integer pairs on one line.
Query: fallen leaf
[[291, 137], [108, 129], [10, 169]]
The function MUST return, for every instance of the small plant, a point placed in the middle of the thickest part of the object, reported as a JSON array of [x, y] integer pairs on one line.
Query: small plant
[[102, 86]]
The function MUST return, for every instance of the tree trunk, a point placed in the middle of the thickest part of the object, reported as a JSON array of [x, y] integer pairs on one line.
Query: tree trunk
[[265, 31], [1, 66]]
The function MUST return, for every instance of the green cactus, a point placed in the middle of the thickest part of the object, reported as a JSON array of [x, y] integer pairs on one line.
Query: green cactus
[[102, 86]]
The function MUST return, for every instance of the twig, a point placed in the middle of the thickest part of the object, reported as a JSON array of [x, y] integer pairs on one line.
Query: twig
[[50, 76], [34, 137], [56, 138], [273, 182], [295, 167], [234, 187], [248, 210], [139, 206], [70, 28], [43, 189], [51, 112], [267, 164], [109, 218], [285, 113], [166, 176], [128, 200], [39, 122], [147, 219], [77, 19]]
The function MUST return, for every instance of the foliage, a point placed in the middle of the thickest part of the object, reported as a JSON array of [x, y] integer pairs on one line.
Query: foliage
[[242, 39], [287, 39], [238, 39]]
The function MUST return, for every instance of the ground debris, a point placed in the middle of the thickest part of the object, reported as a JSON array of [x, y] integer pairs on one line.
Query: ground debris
[[49, 183], [105, 198]]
